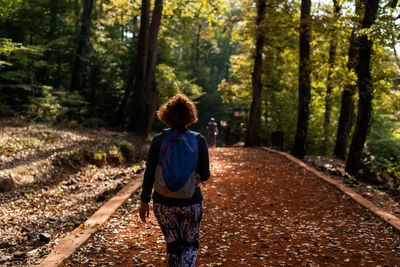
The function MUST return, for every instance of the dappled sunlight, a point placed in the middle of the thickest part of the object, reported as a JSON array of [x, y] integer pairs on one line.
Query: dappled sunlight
[[84, 87]]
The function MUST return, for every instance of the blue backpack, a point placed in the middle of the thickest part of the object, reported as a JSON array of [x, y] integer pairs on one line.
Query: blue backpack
[[176, 175]]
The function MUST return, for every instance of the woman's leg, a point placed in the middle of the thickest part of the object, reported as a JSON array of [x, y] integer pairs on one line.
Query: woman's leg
[[190, 232], [168, 220]]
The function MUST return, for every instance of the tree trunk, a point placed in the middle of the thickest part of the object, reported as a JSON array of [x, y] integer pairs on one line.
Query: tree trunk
[[253, 125], [59, 71], [329, 85], [346, 117], [152, 64], [345, 122], [328, 97], [299, 148], [364, 82], [53, 19], [139, 101], [77, 12], [76, 82], [50, 55], [120, 115]]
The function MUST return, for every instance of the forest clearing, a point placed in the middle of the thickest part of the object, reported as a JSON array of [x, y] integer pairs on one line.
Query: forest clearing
[[294, 104]]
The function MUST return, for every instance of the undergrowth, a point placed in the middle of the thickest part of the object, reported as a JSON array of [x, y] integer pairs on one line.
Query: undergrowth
[[114, 153]]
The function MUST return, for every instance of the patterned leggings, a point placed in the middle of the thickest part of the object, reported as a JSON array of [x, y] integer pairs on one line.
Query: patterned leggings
[[181, 229]]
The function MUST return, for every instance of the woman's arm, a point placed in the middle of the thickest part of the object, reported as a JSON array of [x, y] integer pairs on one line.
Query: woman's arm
[[151, 165], [203, 162]]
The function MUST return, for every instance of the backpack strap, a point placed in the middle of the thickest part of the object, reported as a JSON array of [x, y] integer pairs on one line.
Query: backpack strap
[[196, 134], [165, 132]]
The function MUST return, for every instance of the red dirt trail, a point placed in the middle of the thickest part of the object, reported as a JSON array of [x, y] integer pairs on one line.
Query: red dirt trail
[[260, 209]]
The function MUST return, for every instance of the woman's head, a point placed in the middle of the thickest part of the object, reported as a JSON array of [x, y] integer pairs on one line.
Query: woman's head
[[179, 111]]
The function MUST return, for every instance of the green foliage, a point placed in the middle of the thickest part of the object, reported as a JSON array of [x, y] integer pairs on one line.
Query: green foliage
[[205, 51], [127, 151], [38, 44], [169, 85], [279, 77], [115, 156], [6, 48], [7, 7], [100, 158], [57, 106], [114, 153], [73, 159], [383, 144]]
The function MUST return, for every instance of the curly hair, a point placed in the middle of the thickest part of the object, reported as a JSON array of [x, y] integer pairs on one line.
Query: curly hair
[[178, 111]]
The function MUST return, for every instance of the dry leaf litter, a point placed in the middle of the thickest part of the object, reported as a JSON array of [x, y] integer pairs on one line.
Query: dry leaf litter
[[49, 201], [260, 209]]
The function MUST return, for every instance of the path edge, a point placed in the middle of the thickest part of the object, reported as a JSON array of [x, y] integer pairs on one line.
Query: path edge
[[391, 219], [78, 237]]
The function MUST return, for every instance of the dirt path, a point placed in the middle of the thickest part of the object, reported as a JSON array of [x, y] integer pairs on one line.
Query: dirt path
[[260, 210]]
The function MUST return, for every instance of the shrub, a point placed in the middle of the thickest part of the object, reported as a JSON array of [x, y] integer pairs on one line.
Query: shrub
[[128, 151], [99, 158], [383, 145], [114, 156]]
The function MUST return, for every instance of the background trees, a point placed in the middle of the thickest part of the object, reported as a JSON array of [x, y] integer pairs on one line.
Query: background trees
[[299, 147], [364, 82], [82, 40], [253, 126], [61, 63]]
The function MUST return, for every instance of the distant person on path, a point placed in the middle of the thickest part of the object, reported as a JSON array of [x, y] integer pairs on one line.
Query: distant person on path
[[212, 129], [177, 162]]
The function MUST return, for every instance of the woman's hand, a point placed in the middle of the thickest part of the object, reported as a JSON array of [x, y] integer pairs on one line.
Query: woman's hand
[[144, 211]]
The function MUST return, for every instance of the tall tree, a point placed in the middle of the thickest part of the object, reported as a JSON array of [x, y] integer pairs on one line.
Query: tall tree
[[253, 125], [364, 83], [76, 79], [54, 5], [151, 88], [347, 104], [139, 101], [329, 85], [299, 147], [120, 115]]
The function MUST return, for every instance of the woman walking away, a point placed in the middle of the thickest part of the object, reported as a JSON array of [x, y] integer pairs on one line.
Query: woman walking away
[[177, 162]]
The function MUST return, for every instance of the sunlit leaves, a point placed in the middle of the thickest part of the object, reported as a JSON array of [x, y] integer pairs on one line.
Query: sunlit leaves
[[168, 84], [166, 81], [209, 10], [120, 11], [6, 47], [7, 6]]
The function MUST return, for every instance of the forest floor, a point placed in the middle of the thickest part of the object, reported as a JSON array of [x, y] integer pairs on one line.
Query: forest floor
[[56, 186], [260, 209]]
